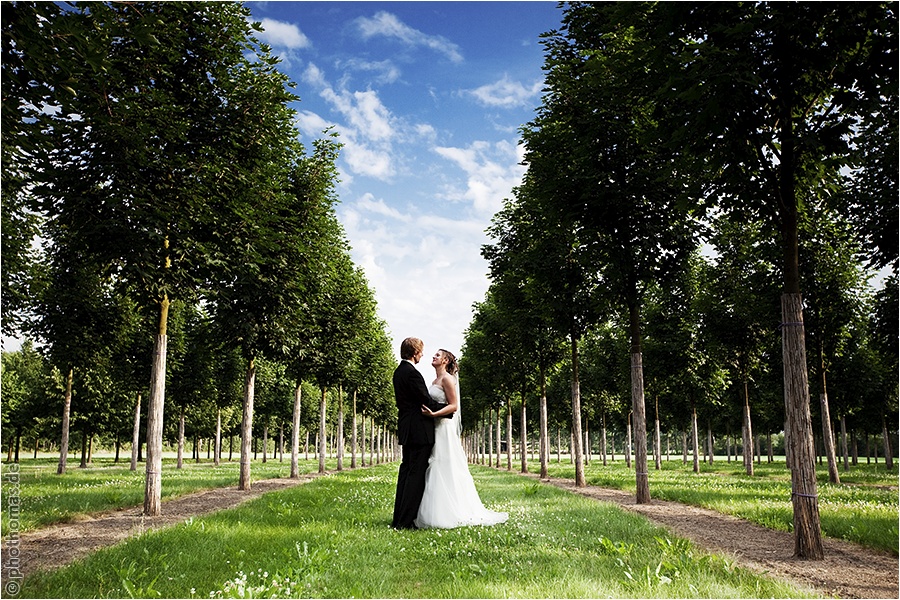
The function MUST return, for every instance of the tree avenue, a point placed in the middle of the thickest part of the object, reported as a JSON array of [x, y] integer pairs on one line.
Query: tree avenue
[[690, 255], [749, 127], [154, 145]]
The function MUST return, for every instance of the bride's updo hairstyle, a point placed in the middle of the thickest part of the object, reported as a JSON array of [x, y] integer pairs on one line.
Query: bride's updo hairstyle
[[452, 365]]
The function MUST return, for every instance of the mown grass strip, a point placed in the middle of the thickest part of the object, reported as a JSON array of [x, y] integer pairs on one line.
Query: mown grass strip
[[331, 538], [862, 509], [46, 498]]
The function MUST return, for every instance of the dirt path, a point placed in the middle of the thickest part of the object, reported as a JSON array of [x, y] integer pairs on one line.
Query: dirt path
[[848, 571]]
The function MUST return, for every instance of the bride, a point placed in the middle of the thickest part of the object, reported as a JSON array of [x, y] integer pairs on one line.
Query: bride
[[450, 499]]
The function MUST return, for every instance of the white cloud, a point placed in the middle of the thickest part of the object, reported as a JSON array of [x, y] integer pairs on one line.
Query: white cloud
[[282, 35], [369, 203], [426, 269], [385, 71], [368, 130], [365, 159], [507, 93], [492, 170], [367, 114], [311, 124], [385, 24]]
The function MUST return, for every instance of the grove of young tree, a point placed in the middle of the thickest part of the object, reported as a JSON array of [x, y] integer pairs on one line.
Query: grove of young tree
[[163, 222], [704, 181]]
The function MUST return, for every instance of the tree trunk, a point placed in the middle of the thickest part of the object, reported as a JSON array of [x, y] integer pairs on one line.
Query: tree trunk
[[155, 409], [628, 442], [499, 442], [747, 431], [373, 460], [545, 435], [280, 442], [306, 446], [639, 419], [339, 434], [180, 461], [523, 438], [67, 410], [362, 440], [509, 445], [381, 444], [695, 438], [603, 447], [844, 447], [489, 425], [586, 423], [353, 440], [247, 425], [888, 451], [322, 440], [710, 450], [295, 434], [827, 433], [265, 439], [217, 449], [84, 450], [657, 451], [799, 436], [136, 433], [576, 417]]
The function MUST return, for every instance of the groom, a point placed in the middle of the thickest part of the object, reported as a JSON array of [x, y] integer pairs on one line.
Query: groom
[[415, 432]]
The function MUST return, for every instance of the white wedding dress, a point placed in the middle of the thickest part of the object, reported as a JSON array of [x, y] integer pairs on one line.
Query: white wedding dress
[[450, 498]]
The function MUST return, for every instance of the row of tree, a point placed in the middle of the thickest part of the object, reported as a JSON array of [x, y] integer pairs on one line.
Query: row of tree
[[690, 163], [156, 194]]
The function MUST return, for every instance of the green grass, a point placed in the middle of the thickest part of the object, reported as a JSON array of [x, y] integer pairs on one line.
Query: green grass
[[331, 538], [46, 498], [863, 509]]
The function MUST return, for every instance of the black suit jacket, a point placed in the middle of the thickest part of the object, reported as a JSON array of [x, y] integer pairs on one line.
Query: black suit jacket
[[413, 428]]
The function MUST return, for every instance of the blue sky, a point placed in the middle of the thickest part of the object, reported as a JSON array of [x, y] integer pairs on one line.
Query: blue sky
[[427, 98]]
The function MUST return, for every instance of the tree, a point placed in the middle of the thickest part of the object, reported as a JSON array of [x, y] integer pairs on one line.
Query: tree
[[562, 284], [28, 392], [162, 137], [618, 191], [835, 286], [773, 97], [739, 303]]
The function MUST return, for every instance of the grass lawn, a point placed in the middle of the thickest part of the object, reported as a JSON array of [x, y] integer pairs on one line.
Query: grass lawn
[[46, 498], [862, 509], [331, 538]]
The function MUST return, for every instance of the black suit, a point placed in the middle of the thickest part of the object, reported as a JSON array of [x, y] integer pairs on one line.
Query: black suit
[[415, 433]]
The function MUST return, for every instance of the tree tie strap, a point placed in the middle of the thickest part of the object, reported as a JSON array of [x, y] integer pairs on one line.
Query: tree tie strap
[[804, 495]]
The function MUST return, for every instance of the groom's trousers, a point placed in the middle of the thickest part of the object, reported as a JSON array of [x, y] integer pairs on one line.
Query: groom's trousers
[[410, 485]]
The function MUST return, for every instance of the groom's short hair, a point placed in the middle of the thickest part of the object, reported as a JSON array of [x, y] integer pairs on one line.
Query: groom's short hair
[[410, 347]]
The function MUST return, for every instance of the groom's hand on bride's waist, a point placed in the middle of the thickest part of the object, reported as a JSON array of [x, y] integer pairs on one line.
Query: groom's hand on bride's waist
[[428, 412]]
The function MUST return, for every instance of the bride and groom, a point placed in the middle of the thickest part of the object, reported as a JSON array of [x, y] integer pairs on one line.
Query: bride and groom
[[434, 487]]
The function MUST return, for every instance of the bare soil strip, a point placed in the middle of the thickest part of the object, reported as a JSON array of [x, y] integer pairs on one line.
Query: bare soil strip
[[848, 570]]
